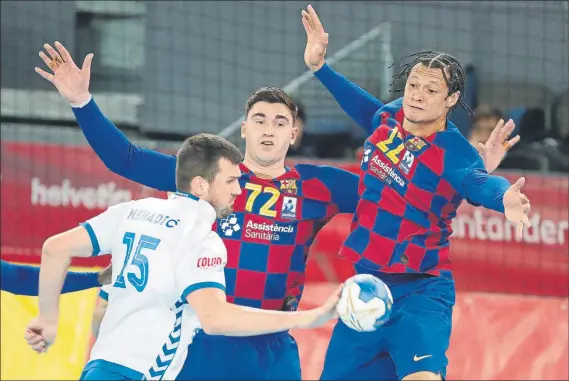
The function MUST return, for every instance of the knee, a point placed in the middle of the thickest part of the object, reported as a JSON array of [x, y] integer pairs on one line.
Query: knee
[[423, 376]]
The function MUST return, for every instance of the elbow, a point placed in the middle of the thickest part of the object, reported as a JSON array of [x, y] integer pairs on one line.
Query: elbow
[[213, 325], [215, 321], [114, 167], [49, 247], [53, 248]]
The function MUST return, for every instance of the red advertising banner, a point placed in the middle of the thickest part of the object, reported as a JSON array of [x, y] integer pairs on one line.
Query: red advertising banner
[[47, 189], [494, 337]]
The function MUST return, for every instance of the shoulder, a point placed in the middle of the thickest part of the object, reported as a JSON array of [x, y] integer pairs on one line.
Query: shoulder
[[452, 140], [207, 212], [393, 109], [142, 203], [214, 243], [195, 211], [213, 250], [387, 117]]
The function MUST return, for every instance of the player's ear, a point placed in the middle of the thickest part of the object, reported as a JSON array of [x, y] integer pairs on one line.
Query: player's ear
[[294, 134], [199, 186], [243, 129], [452, 99]]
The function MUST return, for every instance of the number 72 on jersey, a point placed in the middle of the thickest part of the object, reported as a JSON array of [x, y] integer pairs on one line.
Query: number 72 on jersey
[[267, 209]]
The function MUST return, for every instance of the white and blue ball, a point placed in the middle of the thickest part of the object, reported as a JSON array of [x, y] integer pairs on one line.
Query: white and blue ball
[[365, 304]]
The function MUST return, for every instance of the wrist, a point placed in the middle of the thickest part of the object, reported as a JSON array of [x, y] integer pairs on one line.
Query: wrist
[[317, 67], [81, 100], [306, 318], [50, 318]]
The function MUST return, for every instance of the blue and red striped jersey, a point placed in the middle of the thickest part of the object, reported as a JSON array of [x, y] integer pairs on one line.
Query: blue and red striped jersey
[[272, 227], [410, 190]]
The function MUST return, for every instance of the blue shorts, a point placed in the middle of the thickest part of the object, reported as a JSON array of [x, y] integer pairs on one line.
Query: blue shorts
[[267, 357], [415, 339], [106, 370]]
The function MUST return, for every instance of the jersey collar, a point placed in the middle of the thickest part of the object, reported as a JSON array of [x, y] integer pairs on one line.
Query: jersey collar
[[186, 195], [290, 173]]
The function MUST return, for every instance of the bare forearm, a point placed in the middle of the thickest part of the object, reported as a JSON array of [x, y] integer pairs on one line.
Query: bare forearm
[[53, 270], [232, 320]]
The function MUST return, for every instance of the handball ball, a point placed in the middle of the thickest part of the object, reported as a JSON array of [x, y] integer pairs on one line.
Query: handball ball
[[365, 304]]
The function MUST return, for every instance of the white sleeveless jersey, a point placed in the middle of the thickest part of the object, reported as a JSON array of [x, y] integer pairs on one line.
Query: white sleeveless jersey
[[162, 250]]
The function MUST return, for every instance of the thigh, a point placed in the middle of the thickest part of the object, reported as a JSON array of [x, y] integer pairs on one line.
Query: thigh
[[284, 359], [356, 355], [419, 333]]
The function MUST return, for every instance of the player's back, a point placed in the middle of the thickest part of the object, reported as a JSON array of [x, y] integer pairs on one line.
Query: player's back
[[144, 311]]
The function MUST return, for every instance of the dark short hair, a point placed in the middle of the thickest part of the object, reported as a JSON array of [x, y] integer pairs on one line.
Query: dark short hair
[[200, 155], [271, 95]]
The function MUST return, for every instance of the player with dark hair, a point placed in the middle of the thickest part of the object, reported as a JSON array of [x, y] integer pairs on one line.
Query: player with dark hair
[[20, 279], [298, 148], [268, 236], [172, 283], [416, 170]]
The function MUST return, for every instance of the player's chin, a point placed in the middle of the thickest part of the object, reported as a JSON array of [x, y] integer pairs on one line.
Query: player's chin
[[268, 157], [414, 118], [224, 212]]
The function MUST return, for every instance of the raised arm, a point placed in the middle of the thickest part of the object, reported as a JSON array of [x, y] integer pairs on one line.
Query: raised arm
[[355, 101], [151, 168], [144, 166]]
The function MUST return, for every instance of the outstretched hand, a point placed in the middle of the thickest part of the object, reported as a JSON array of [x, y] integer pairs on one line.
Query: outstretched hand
[[316, 39], [326, 312], [493, 152], [517, 206], [71, 82]]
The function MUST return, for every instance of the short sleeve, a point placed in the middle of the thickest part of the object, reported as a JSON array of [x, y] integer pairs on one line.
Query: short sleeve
[[202, 266], [102, 228], [104, 292]]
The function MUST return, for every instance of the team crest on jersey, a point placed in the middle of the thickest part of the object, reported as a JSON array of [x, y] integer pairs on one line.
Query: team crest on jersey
[[289, 208], [367, 153], [407, 162], [289, 186], [415, 144]]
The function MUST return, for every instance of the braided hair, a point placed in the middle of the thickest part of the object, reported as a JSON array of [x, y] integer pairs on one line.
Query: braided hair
[[452, 70]]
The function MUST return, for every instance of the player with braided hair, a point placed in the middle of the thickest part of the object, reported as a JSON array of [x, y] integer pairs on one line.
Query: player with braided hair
[[455, 79], [416, 170]]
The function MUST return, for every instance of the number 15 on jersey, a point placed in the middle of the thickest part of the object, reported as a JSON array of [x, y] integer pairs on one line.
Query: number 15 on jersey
[[139, 260]]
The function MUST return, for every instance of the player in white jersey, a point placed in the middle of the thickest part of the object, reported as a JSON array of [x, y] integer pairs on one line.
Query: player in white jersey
[[164, 253]]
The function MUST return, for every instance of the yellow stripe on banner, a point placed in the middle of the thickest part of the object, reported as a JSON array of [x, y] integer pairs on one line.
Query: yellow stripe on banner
[[66, 358]]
